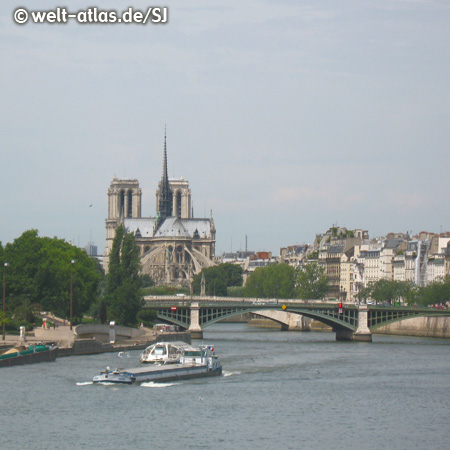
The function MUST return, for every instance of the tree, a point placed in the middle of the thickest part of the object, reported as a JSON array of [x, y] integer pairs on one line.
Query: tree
[[218, 279], [312, 281], [123, 282], [435, 293], [363, 294], [39, 271], [254, 286], [389, 291], [273, 281], [233, 274]]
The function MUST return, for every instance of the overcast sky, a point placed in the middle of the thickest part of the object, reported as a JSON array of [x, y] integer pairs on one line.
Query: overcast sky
[[286, 117]]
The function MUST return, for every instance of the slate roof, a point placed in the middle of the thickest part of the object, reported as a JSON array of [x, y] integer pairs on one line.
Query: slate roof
[[392, 243], [336, 248], [145, 226], [171, 227]]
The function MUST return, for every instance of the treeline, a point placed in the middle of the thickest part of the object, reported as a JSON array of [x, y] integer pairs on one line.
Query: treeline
[[285, 281], [273, 281], [392, 292], [39, 273]]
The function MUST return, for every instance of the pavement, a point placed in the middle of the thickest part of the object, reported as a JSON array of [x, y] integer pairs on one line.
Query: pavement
[[62, 335]]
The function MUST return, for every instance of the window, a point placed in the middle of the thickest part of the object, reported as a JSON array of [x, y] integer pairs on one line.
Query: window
[[130, 204]]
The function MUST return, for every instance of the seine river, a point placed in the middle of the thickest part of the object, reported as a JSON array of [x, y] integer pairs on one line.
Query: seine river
[[285, 390]]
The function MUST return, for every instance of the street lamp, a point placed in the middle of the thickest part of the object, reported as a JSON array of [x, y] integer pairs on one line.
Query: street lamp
[[5, 265], [71, 291]]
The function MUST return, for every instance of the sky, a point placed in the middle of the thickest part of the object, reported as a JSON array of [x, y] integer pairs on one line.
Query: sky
[[286, 117]]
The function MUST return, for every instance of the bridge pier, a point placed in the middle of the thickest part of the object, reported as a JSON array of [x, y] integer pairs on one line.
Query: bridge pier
[[362, 333], [194, 327], [348, 335]]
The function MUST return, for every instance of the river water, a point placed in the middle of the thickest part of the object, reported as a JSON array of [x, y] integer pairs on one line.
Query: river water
[[287, 390]]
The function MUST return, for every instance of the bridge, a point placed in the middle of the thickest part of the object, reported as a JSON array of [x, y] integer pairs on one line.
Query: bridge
[[352, 322]]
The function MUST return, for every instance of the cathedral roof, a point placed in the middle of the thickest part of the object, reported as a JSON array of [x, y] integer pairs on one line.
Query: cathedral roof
[[171, 227], [145, 226], [203, 227], [174, 226]]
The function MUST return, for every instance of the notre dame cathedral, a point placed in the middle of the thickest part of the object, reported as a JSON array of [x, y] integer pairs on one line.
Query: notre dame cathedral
[[174, 246]]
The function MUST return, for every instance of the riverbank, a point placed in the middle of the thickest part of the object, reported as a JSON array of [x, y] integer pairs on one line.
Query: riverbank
[[83, 346], [436, 327]]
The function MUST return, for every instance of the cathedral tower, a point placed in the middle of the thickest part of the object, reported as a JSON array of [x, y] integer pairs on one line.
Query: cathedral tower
[[124, 201]]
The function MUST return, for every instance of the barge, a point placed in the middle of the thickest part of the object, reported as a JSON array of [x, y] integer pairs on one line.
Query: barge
[[193, 363], [28, 355]]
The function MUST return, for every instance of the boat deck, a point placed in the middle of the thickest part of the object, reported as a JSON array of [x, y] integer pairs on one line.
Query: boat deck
[[162, 368]]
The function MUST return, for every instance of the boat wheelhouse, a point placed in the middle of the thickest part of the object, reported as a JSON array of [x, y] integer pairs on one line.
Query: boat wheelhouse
[[164, 352]]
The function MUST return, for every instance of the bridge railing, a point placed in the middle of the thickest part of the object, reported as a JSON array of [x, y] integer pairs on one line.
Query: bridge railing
[[188, 299]]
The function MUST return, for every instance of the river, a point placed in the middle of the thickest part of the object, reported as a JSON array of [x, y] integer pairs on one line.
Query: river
[[288, 390]]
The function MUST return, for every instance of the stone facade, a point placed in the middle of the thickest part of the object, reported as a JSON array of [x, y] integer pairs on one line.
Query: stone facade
[[174, 246], [352, 261]]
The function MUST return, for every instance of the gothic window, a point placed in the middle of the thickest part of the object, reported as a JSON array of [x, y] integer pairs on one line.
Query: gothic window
[[179, 204], [130, 204], [179, 254], [122, 202]]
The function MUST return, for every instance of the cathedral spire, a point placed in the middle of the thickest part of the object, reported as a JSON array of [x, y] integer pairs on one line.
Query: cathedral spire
[[165, 194], [165, 177]]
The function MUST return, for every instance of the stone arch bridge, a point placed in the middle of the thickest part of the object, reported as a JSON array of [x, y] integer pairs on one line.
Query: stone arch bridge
[[351, 322]]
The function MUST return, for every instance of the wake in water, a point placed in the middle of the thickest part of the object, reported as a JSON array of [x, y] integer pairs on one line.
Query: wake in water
[[152, 384], [84, 383], [225, 373]]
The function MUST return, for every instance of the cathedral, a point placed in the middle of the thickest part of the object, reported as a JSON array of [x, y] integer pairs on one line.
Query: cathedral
[[174, 246]]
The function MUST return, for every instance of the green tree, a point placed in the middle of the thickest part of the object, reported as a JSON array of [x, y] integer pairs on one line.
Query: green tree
[[254, 286], [218, 279], [233, 274], [123, 282], [235, 291], [389, 291], [272, 281], [435, 293], [39, 270], [312, 281], [364, 294]]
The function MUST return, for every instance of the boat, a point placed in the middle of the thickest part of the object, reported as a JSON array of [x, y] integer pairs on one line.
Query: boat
[[193, 363], [28, 354], [164, 352]]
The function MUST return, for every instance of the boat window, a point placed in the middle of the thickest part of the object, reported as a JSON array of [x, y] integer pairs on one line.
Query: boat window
[[159, 351], [192, 353]]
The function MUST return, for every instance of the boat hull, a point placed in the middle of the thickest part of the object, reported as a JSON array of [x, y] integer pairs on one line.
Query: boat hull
[[174, 372], [32, 358]]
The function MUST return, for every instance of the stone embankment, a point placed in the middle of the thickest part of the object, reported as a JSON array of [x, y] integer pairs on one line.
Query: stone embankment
[[436, 327], [93, 339], [93, 346]]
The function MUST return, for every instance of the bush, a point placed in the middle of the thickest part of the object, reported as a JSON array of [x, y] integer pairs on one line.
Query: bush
[[147, 317], [235, 291]]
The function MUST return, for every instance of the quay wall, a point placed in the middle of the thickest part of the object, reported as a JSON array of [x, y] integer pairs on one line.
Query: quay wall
[[102, 332], [93, 346], [437, 327]]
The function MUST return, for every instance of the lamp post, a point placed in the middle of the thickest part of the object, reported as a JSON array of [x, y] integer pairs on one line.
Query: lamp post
[[5, 265], [71, 291]]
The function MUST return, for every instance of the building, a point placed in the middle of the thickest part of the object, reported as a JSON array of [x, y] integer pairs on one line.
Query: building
[[174, 246]]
